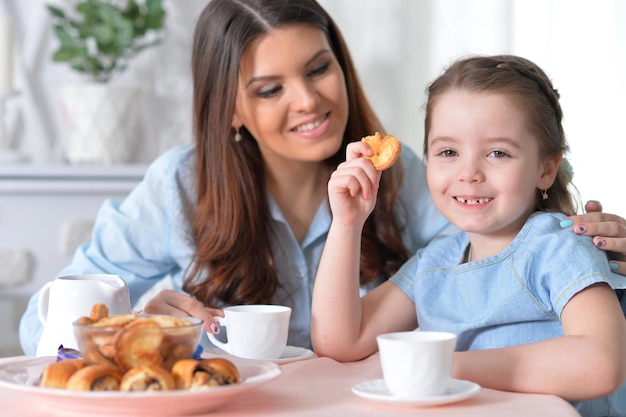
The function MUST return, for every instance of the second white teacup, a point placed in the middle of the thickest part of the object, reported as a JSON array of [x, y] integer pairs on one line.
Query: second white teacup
[[257, 331], [417, 364]]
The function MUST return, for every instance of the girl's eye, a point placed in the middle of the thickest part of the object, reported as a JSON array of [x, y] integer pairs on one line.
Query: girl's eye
[[498, 154], [269, 91], [446, 153], [319, 70]]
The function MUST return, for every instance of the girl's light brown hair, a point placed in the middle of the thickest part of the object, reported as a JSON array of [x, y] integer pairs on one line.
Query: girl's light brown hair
[[231, 224], [530, 88]]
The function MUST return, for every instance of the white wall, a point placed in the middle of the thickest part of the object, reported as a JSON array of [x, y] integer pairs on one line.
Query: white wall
[[581, 44], [401, 45]]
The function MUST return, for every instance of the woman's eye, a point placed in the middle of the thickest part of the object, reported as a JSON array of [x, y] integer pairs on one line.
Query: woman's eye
[[269, 91], [320, 69]]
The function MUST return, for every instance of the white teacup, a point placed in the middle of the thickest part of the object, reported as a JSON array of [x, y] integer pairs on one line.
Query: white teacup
[[256, 331], [417, 364]]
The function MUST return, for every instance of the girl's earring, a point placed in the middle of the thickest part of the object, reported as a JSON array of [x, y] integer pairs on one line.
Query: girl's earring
[[544, 195], [237, 136]]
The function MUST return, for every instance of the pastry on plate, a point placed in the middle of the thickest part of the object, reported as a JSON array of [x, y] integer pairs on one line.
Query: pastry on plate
[[95, 378], [57, 374], [147, 378], [204, 373]]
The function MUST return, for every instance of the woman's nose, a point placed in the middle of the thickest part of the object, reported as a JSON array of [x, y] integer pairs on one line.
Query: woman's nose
[[304, 97]]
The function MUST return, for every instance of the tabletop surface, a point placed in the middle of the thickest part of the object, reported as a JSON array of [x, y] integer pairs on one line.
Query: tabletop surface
[[323, 387]]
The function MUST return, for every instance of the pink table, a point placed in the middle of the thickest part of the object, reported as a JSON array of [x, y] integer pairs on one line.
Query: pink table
[[322, 387]]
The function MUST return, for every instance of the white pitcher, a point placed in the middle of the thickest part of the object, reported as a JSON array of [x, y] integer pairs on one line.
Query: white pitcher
[[65, 299]]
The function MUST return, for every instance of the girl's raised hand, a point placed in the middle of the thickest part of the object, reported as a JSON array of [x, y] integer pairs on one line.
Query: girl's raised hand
[[353, 187]]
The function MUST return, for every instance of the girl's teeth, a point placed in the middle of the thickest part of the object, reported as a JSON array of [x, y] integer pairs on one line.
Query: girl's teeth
[[474, 201]]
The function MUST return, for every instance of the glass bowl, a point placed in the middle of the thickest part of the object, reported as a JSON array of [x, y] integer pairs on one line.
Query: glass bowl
[[130, 340]]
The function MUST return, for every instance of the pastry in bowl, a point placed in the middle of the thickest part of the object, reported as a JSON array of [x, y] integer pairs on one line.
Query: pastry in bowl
[[128, 341], [136, 352]]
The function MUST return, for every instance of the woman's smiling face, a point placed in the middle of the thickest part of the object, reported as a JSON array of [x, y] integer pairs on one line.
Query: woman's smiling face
[[292, 95]]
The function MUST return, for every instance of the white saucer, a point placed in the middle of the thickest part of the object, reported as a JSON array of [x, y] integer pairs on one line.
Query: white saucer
[[290, 354], [377, 390]]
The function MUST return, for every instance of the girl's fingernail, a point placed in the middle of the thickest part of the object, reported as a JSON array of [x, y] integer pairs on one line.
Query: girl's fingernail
[[580, 229], [566, 223], [215, 328], [600, 243], [613, 266]]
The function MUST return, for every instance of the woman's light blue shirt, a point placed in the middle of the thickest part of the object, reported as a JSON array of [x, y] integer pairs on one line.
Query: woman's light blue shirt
[[148, 237], [513, 298]]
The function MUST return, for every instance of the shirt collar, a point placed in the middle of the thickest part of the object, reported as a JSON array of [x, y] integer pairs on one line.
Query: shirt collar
[[319, 225]]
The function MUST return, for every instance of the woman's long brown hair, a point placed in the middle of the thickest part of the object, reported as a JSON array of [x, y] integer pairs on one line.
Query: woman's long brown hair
[[233, 262]]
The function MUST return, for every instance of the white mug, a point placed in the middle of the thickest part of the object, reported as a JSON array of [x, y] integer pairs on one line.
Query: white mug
[[417, 364], [257, 331], [65, 299]]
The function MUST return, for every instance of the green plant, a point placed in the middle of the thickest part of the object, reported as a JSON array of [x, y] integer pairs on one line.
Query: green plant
[[103, 35]]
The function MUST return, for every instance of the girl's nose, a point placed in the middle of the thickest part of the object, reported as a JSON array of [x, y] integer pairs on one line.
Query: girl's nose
[[470, 171]]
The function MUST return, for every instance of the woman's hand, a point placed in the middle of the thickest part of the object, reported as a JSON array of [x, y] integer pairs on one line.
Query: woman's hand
[[174, 303], [608, 231]]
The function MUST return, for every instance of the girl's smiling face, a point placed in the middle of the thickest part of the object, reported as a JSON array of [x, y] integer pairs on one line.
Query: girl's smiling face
[[483, 163], [292, 95]]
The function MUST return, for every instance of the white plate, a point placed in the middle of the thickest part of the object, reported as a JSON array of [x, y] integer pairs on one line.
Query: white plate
[[377, 390], [22, 376], [290, 354]]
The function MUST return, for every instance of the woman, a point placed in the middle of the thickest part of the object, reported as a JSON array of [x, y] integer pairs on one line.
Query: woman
[[242, 216]]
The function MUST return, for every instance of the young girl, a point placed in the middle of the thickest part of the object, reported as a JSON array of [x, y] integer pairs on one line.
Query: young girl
[[533, 306]]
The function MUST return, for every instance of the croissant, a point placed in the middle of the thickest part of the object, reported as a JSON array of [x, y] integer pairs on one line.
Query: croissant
[[57, 374], [99, 343], [175, 345], [386, 150], [139, 343], [147, 378], [205, 373], [98, 312], [95, 378]]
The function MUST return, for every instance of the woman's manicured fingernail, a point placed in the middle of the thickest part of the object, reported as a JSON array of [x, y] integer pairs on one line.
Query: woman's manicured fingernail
[[215, 328], [566, 223], [613, 266], [580, 229], [600, 243]]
